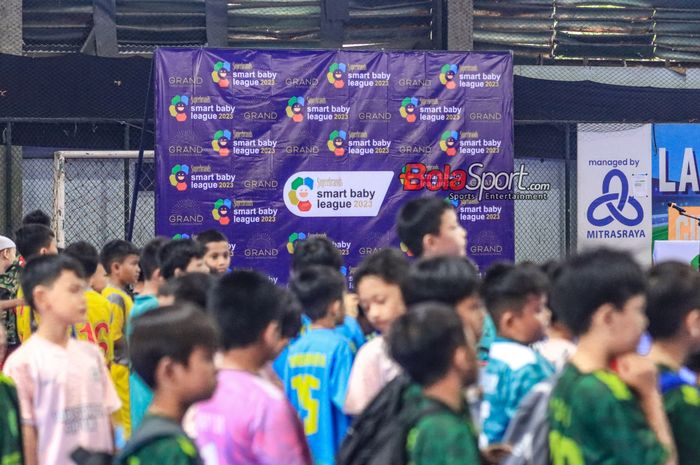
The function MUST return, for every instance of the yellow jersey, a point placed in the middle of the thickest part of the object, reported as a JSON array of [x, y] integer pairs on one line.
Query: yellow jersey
[[97, 327], [27, 319]]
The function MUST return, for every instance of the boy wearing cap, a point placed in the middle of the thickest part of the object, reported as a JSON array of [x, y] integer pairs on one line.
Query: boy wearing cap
[[9, 283]]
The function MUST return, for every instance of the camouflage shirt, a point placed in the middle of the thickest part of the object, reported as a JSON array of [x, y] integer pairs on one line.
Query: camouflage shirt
[[9, 284]]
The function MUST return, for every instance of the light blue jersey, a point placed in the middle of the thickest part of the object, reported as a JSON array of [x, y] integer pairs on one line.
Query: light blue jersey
[[140, 394], [488, 335], [512, 370], [315, 380]]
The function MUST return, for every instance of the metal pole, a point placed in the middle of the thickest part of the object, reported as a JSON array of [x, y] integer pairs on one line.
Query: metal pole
[[139, 162], [8, 177], [460, 25], [567, 187], [126, 184]]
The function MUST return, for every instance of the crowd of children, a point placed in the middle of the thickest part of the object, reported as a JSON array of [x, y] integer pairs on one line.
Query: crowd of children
[[168, 355]]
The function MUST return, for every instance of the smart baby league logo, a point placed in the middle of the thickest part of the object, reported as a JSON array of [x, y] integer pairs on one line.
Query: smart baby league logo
[[178, 108], [409, 109], [449, 142], [221, 211], [221, 143], [295, 109], [300, 193], [336, 75], [292, 241], [336, 142], [447, 76], [221, 73], [178, 177]]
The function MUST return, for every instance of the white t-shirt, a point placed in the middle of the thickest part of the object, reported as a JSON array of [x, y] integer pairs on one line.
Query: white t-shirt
[[66, 394], [372, 370]]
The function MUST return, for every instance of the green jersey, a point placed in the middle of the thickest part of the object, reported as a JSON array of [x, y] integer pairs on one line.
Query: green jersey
[[10, 432], [442, 438], [595, 419], [682, 405], [171, 447]]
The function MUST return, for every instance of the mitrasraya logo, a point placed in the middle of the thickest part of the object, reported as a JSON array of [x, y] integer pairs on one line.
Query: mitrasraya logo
[[178, 107], [178, 177], [295, 107], [300, 195], [221, 142], [221, 211], [177, 237], [336, 142], [221, 73], [405, 249], [409, 107], [292, 240], [448, 142], [447, 76], [336, 75]]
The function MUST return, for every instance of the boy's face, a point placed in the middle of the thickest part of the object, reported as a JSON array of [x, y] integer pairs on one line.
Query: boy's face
[[532, 321], [382, 301], [218, 257], [51, 249], [472, 312], [64, 300], [450, 241], [127, 272], [197, 380], [197, 265], [626, 325]]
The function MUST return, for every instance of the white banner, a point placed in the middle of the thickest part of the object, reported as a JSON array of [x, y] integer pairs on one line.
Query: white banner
[[614, 188]]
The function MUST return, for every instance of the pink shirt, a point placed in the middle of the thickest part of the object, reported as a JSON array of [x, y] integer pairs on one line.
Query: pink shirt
[[248, 421], [66, 394], [372, 370]]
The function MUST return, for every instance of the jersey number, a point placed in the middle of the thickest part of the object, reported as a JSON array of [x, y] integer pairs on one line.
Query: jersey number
[[564, 451], [305, 385], [100, 336]]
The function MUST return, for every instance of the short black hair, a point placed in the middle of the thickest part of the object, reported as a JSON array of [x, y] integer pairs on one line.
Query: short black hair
[[116, 251], [210, 235], [44, 270], [419, 217], [317, 287], [190, 287], [290, 320], [31, 238], [177, 254], [592, 279], [441, 279], [674, 290], [244, 303], [174, 331], [86, 254], [507, 287], [148, 260], [390, 265], [424, 339], [37, 217], [317, 250]]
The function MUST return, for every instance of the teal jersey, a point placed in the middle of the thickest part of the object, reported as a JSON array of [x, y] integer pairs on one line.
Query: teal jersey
[[595, 419], [315, 379], [141, 394], [512, 370], [488, 335], [350, 329]]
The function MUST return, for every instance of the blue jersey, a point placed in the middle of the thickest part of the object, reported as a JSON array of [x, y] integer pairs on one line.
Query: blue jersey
[[140, 394], [512, 370], [350, 329], [315, 379], [488, 335]]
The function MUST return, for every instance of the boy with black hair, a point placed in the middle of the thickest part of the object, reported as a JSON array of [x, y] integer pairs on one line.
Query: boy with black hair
[[429, 343], [429, 227], [516, 297], [181, 256], [597, 414], [37, 217], [32, 240], [248, 420], [65, 393], [121, 262], [378, 282], [217, 254], [172, 350], [673, 308], [191, 287], [320, 251], [319, 362], [453, 281], [99, 310]]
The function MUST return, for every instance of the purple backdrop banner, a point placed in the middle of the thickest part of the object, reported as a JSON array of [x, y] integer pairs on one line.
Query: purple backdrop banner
[[272, 147]]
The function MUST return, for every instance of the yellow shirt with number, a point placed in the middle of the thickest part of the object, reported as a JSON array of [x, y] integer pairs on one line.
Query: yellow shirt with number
[[121, 305], [97, 327]]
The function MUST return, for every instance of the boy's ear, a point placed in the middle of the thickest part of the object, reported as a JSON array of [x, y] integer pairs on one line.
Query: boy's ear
[[692, 323], [271, 334], [40, 295], [603, 315], [156, 276], [165, 372], [178, 272], [428, 241]]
